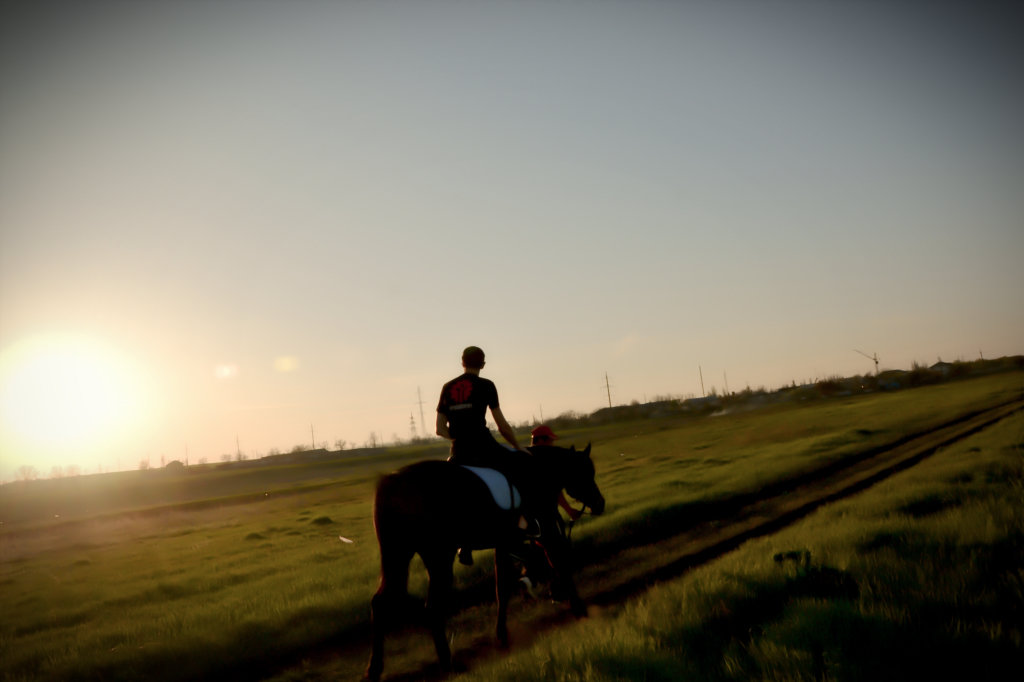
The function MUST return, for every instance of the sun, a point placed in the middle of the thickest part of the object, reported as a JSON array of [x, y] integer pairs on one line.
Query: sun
[[63, 396]]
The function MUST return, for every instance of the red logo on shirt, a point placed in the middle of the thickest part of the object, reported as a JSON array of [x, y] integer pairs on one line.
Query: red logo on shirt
[[460, 391]]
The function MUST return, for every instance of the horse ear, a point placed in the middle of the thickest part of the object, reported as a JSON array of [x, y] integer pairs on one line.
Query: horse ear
[[586, 450]]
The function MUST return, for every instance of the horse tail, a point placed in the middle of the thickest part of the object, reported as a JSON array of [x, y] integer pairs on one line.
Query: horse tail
[[396, 550]]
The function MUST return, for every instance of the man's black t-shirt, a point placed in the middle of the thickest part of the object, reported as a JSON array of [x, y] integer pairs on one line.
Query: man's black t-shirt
[[464, 402]]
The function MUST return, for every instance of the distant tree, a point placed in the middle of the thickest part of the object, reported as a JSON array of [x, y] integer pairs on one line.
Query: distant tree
[[56, 471], [299, 448], [144, 464], [203, 460], [72, 470], [175, 466], [272, 452], [340, 443], [225, 457]]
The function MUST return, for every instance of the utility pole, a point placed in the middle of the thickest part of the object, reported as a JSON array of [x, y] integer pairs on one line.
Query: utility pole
[[702, 393], [312, 435], [608, 388], [412, 427], [423, 421], [725, 376]]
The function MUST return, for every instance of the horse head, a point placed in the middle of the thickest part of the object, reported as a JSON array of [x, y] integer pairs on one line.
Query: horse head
[[580, 481]]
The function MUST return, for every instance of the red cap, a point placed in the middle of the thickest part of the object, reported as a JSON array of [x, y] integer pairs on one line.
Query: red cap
[[543, 431]]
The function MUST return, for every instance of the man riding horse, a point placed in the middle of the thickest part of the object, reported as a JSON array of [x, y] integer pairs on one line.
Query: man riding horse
[[462, 419], [432, 507]]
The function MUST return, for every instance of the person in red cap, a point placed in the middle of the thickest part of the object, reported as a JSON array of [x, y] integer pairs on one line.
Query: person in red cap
[[543, 435]]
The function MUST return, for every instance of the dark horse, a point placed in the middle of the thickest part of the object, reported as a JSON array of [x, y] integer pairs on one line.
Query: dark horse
[[433, 508]]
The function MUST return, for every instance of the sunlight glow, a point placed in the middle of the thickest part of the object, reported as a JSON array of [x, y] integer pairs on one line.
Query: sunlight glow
[[225, 371], [65, 393], [286, 363]]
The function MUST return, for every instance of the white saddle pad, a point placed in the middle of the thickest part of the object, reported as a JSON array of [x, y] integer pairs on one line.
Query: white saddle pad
[[506, 496]]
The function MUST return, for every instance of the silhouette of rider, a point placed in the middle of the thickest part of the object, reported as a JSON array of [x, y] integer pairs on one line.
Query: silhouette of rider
[[462, 419], [462, 416]]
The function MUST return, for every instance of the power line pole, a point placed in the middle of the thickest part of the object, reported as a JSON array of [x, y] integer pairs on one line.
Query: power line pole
[[608, 388], [312, 435], [702, 393], [412, 427], [423, 421]]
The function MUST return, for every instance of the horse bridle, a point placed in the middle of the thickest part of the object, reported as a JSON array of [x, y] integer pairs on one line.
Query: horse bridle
[[572, 521]]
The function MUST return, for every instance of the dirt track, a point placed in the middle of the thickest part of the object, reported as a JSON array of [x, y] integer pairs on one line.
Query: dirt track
[[609, 576]]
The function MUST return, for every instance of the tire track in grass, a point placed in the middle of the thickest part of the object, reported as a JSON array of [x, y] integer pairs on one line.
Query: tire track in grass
[[764, 515]]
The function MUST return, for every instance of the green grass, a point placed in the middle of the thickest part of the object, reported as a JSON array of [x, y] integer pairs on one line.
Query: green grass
[[225, 587], [47, 502], [204, 575], [656, 473], [921, 577]]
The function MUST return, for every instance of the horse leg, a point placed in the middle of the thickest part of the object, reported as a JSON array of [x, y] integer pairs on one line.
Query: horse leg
[[568, 589], [560, 559], [502, 589], [439, 570], [386, 603]]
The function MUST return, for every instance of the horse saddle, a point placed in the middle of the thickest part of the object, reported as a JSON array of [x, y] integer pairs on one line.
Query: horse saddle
[[505, 495]]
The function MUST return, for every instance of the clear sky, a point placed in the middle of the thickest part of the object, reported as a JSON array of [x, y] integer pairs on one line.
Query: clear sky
[[224, 222]]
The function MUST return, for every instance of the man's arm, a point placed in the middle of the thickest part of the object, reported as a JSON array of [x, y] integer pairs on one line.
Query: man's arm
[[503, 428], [442, 427]]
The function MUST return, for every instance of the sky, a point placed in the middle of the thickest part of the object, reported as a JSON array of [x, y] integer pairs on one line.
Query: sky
[[243, 226]]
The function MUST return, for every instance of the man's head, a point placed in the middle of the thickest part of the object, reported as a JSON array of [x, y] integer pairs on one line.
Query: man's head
[[473, 358], [543, 435]]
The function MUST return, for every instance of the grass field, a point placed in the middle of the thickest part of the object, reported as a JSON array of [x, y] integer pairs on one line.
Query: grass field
[[230, 573], [921, 577]]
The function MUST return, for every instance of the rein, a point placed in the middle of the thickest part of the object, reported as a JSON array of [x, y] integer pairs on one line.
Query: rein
[[571, 522]]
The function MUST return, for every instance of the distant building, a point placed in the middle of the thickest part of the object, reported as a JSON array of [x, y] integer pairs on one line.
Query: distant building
[[893, 379]]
